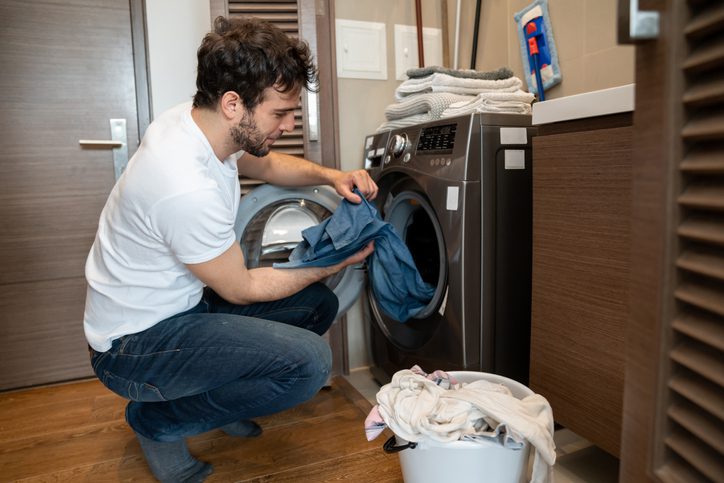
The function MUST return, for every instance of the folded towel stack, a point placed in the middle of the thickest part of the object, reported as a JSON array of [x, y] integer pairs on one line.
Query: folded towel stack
[[433, 93]]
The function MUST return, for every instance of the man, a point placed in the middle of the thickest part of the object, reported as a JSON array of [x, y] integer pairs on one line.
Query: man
[[192, 359]]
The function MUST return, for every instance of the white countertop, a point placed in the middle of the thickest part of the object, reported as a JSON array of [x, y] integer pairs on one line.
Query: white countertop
[[588, 104]]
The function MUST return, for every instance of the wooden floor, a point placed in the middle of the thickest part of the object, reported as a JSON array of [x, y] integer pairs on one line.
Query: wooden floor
[[76, 432]]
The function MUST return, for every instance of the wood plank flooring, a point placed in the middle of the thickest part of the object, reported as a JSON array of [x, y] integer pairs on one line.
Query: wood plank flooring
[[76, 432]]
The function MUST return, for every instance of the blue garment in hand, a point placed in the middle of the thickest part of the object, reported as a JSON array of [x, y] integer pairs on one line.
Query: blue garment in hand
[[397, 285]]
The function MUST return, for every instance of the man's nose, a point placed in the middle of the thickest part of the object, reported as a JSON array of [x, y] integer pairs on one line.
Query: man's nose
[[288, 122]]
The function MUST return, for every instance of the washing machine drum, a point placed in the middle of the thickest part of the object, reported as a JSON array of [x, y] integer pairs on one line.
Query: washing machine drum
[[409, 211], [269, 225]]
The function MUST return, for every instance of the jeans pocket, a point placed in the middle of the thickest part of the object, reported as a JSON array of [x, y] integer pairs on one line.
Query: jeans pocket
[[135, 391]]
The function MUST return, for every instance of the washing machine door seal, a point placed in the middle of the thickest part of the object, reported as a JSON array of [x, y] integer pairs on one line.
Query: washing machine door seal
[[269, 225]]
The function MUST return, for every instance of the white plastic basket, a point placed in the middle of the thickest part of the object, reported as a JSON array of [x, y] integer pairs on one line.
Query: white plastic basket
[[464, 461]]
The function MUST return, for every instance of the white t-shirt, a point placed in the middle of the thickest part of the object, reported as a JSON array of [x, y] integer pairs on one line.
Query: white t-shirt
[[175, 204]]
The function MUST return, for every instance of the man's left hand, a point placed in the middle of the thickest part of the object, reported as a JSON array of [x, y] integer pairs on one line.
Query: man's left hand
[[347, 180]]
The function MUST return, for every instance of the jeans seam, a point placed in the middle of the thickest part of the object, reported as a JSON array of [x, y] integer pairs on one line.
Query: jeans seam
[[285, 311], [99, 359], [157, 353], [123, 342]]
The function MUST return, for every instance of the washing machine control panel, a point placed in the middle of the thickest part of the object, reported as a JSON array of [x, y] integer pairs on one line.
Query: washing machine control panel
[[429, 148], [450, 148], [437, 139]]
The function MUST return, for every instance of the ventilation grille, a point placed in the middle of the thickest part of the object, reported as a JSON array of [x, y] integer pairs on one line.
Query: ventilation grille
[[285, 15], [695, 438]]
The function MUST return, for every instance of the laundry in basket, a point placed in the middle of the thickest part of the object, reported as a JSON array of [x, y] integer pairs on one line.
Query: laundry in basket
[[470, 421]]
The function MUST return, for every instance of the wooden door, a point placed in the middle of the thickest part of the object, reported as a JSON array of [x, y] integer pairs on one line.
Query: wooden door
[[68, 68], [673, 412]]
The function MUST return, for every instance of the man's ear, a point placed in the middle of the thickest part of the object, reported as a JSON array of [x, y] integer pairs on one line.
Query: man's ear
[[231, 104]]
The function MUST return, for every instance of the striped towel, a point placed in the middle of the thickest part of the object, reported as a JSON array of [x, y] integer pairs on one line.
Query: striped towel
[[418, 109]]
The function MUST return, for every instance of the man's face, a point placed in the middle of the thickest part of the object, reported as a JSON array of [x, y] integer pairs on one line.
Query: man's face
[[257, 130]]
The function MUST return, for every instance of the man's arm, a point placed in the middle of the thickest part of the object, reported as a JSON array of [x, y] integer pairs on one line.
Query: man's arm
[[228, 276], [285, 170]]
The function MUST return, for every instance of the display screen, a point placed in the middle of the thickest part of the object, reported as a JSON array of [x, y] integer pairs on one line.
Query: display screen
[[437, 139]]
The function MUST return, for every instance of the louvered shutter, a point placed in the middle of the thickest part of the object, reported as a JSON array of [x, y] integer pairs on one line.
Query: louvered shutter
[[693, 441], [285, 15]]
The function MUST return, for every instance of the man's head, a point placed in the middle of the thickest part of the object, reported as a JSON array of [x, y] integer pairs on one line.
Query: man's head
[[249, 56]]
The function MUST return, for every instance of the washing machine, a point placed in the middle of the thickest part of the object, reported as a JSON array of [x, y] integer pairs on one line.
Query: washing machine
[[459, 193]]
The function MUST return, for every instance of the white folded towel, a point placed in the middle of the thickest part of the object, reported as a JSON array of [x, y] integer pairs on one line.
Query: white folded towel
[[518, 102], [440, 82], [414, 408]]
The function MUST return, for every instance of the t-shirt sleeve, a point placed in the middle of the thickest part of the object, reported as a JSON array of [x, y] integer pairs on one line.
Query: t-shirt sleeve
[[196, 226]]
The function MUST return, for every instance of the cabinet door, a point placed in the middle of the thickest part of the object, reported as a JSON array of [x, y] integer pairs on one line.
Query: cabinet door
[[581, 224]]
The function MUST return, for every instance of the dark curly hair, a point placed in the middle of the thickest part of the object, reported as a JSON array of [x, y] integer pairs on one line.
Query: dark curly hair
[[247, 55]]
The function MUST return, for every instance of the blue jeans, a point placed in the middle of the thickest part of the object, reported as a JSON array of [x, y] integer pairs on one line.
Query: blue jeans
[[219, 363]]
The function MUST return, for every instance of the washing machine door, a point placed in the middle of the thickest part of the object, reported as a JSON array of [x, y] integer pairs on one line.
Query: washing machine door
[[403, 203], [269, 225]]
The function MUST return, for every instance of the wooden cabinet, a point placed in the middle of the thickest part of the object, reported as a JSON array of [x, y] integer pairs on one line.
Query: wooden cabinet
[[581, 251]]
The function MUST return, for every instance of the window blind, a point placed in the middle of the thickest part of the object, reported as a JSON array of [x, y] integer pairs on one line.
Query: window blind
[[285, 15]]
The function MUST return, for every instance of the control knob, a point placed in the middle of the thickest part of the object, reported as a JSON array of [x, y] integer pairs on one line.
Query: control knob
[[397, 144]]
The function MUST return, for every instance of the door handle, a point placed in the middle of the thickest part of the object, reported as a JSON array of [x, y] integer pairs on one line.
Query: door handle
[[635, 24], [118, 143], [99, 143]]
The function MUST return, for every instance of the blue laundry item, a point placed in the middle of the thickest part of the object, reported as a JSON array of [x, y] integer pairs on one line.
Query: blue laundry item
[[534, 22], [396, 283]]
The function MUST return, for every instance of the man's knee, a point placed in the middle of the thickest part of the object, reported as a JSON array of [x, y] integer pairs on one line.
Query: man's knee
[[318, 364]]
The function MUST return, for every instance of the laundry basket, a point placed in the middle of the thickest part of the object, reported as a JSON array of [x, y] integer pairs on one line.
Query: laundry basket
[[464, 461]]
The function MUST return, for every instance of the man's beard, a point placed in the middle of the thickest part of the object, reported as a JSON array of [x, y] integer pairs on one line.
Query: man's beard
[[247, 136]]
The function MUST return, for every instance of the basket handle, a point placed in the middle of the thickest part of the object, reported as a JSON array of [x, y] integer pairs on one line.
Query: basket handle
[[390, 447]]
